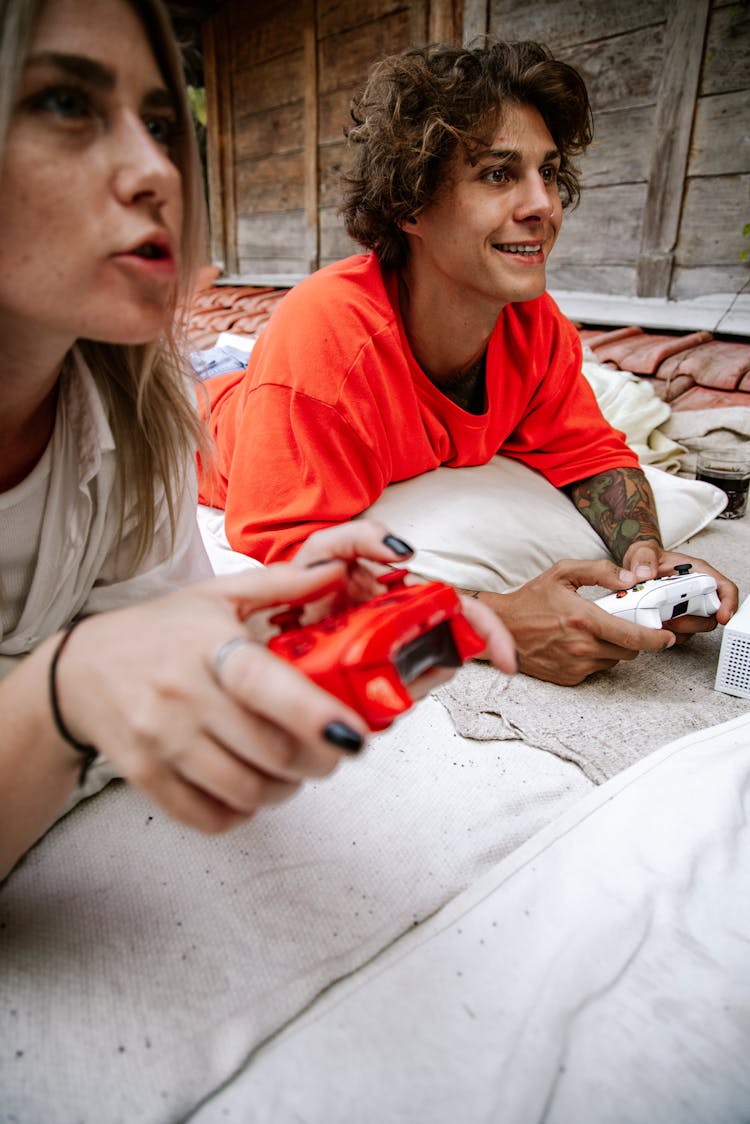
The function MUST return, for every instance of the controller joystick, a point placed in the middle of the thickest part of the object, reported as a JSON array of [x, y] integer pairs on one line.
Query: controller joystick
[[661, 599], [369, 654]]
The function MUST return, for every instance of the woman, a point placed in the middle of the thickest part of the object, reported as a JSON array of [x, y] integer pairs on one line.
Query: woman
[[100, 228]]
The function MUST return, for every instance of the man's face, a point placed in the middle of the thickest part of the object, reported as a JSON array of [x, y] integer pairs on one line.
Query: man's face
[[488, 233]]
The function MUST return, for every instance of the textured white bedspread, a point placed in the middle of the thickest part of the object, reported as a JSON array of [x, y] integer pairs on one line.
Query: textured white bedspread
[[142, 964], [407, 942], [601, 973]]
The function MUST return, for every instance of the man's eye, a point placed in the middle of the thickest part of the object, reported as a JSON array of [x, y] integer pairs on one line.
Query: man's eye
[[549, 175], [497, 175]]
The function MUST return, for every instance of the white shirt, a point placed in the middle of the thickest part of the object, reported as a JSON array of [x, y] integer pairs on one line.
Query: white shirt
[[67, 513]]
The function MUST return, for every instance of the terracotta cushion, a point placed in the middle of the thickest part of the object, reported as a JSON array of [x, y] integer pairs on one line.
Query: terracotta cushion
[[597, 338], [703, 398], [670, 389], [717, 364], [643, 353]]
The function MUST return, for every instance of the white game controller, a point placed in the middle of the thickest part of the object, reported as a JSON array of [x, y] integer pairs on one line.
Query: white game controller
[[662, 599]]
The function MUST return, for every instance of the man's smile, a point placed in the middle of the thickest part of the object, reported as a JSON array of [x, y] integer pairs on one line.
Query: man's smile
[[518, 247]]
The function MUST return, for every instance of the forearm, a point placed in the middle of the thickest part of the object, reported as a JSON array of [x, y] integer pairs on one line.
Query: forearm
[[620, 506], [38, 771]]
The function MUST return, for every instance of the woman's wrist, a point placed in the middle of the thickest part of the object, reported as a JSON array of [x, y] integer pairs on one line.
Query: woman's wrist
[[87, 754]]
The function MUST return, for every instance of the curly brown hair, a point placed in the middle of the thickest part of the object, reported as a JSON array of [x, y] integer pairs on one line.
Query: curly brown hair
[[420, 106]]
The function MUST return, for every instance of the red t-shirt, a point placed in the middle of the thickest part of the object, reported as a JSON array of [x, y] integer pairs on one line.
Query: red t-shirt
[[333, 408]]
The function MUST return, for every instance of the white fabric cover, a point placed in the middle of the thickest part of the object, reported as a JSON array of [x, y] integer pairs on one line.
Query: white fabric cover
[[630, 405], [495, 526], [142, 964], [598, 974], [223, 559]]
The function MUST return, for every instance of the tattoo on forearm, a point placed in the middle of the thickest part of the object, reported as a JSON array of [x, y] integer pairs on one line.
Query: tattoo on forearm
[[619, 505]]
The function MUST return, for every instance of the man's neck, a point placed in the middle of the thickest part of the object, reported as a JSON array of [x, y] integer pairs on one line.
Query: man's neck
[[448, 337]]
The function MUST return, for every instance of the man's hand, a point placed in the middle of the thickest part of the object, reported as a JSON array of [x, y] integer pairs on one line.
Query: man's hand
[[563, 638], [649, 560], [619, 504]]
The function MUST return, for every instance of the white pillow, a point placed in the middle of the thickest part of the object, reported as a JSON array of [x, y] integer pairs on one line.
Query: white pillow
[[495, 526], [223, 559]]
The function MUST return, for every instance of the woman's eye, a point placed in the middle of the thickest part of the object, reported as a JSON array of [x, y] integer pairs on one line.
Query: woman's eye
[[70, 104], [164, 130]]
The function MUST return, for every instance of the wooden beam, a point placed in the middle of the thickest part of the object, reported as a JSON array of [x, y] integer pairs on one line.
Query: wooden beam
[[310, 135], [684, 39], [418, 22], [217, 64], [444, 20], [476, 19]]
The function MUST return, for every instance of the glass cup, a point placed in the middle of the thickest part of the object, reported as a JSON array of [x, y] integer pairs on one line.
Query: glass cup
[[728, 469]]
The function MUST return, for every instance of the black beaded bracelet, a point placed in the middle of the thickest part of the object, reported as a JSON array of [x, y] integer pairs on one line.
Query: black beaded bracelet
[[90, 753]]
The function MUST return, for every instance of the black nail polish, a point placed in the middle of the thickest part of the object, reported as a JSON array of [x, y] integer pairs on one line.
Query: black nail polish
[[343, 737], [398, 546]]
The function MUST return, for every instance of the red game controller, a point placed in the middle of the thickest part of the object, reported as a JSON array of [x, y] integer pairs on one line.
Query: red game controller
[[366, 656]]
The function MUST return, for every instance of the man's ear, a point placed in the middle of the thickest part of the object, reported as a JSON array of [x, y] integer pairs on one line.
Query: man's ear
[[408, 224]]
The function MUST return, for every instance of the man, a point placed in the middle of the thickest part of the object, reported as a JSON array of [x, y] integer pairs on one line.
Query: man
[[441, 347]]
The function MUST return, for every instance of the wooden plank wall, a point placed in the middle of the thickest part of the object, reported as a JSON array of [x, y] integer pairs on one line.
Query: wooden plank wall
[[666, 182], [716, 203], [352, 34], [667, 179], [288, 69]]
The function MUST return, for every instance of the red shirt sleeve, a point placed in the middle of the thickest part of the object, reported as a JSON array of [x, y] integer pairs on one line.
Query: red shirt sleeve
[[294, 455], [299, 438], [562, 433]]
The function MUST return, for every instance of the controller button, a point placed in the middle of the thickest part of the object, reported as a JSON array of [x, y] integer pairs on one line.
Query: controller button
[[301, 647], [684, 568], [380, 690], [393, 578], [287, 618]]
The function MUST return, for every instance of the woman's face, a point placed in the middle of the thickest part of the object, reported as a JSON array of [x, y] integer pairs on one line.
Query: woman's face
[[90, 200]]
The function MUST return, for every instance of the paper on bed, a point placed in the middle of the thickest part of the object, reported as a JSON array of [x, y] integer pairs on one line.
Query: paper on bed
[[598, 974]]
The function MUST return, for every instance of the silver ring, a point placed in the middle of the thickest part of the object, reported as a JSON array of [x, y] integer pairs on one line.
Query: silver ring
[[225, 651]]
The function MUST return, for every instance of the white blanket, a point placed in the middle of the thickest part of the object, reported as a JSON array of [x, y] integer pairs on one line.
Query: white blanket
[[630, 405], [142, 964], [598, 974]]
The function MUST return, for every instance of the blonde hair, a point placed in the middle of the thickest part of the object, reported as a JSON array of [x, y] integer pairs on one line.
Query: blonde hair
[[144, 387]]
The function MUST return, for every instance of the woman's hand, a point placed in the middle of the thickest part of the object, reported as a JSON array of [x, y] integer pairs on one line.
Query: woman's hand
[[209, 741], [187, 706], [368, 547]]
